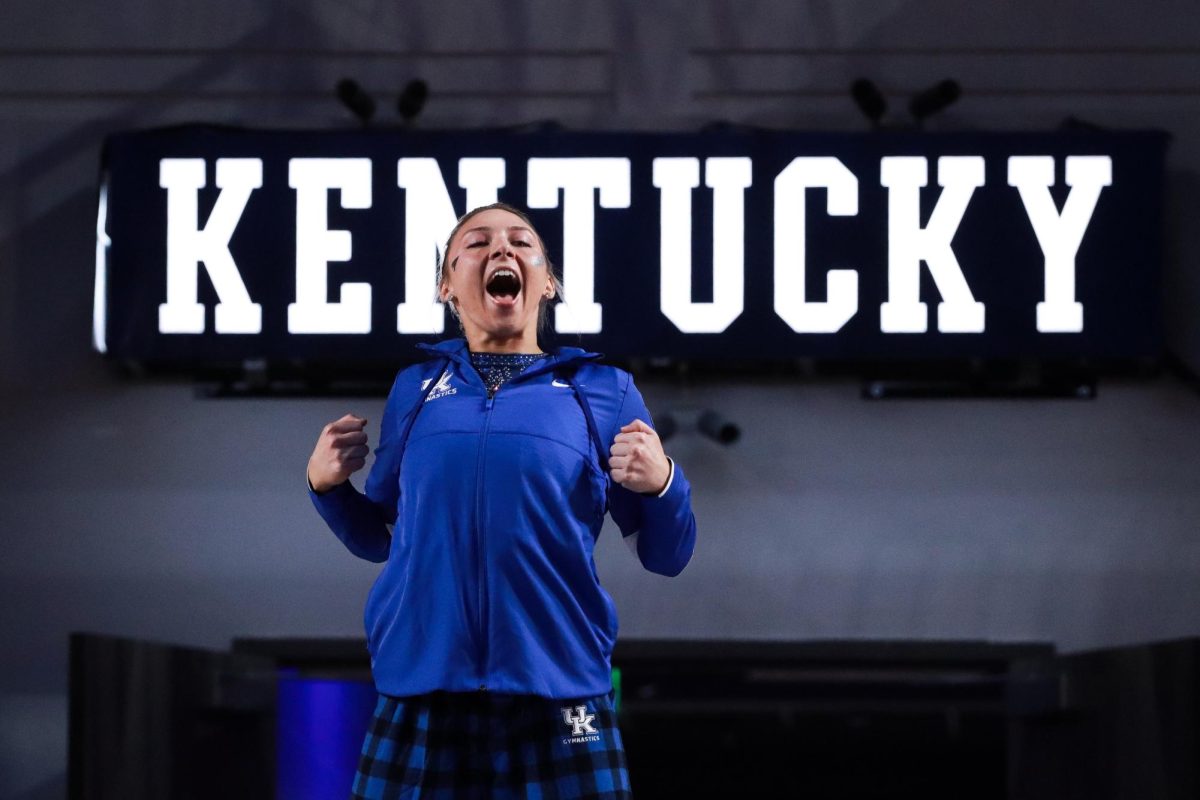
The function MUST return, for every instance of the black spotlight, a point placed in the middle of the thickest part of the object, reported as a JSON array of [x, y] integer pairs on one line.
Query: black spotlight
[[354, 98], [870, 100], [717, 428], [666, 426], [412, 100], [1075, 124], [935, 99]]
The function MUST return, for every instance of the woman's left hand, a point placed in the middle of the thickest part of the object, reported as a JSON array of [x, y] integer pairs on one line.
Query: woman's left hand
[[637, 460]]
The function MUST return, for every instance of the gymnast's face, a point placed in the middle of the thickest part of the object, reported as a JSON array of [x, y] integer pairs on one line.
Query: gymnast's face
[[496, 276]]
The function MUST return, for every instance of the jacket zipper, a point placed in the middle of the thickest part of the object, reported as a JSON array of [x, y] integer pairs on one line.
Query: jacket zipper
[[479, 545], [479, 541], [464, 365], [479, 548]]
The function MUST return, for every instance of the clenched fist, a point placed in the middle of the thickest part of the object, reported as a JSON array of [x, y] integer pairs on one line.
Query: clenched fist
[[637, 460], [341, 450]]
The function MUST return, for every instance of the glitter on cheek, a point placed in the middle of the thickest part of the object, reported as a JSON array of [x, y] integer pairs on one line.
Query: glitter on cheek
[[537, 261]]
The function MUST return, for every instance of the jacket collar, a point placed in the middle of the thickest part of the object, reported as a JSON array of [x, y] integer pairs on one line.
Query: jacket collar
[[457, 350]]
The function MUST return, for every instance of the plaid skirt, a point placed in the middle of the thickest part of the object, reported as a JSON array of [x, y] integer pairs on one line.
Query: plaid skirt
[[484, 745]]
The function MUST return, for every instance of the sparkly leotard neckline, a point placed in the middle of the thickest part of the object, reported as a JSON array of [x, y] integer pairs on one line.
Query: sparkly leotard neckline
[[497, 369]]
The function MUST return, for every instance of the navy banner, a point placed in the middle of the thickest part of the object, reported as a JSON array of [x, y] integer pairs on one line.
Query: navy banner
[[219, 246]]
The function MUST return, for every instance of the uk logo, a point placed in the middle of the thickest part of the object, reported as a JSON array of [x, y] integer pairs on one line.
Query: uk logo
[[581, 725], [442, 389]]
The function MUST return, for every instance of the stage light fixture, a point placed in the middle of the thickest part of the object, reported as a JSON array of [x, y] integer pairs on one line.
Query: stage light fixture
[[717, 428], [412, 100], [356, 100], [666, 426], [702, 420], [934, 100], [1075, 124], [870, 100]]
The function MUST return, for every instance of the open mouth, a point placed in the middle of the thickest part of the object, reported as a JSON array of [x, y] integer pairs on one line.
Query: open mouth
[[504, 285]]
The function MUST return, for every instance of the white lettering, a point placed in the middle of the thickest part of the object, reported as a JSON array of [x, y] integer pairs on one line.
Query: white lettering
[[909, 244], [579, 179], [1059, 235], [728, 178], [841, 200], [316, 245], [188, 245], [428, 219], [582, 185]]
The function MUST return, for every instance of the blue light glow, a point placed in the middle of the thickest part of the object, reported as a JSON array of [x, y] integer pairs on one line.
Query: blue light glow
[[321, 724]]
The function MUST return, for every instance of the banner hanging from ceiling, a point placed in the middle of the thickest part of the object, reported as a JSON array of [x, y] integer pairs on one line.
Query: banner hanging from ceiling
[[218, 246]]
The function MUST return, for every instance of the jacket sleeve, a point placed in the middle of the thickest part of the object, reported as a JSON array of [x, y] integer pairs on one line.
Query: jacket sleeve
[[662, 528], [361, 520]]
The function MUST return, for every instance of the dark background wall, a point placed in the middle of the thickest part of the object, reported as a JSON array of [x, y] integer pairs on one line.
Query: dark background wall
[[139, 509]]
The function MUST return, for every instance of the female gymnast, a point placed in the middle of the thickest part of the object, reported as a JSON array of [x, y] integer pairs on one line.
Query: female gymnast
[[489, 633]]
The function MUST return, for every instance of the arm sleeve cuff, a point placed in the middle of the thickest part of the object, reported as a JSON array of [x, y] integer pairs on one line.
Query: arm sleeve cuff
[[331, 490], [667, 485]]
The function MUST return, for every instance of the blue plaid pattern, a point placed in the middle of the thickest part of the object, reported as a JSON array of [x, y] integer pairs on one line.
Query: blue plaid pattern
[[448, 746]]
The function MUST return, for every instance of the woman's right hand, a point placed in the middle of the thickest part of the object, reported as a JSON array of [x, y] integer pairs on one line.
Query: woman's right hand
[[341, 450]]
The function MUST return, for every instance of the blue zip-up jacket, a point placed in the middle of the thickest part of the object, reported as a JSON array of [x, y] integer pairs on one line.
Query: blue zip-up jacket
[[486, 512]]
